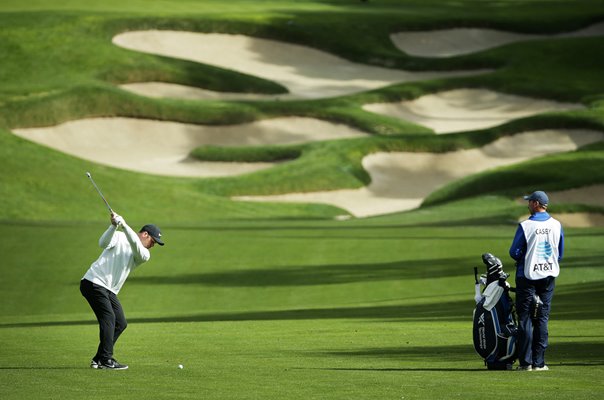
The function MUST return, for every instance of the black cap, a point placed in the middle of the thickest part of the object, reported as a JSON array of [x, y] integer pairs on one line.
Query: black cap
[[154, 232]]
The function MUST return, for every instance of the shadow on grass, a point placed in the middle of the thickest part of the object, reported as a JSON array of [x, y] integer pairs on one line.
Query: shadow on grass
[[571, 302], [452, 311], [321, 275], [46, 367], [578, 301], [400, 230], [454, 353], [346, 273], [582, 261], [400, 369], [564, 353]]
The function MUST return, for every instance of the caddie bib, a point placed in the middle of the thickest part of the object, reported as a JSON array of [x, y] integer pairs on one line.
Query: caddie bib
[[542, 252]]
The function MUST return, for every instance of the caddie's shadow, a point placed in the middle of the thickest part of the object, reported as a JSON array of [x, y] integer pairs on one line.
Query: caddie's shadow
[[560, 355], [402, 369]]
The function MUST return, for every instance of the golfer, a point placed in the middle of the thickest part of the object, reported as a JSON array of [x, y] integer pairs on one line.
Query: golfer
[[537, 248], [123, 250]]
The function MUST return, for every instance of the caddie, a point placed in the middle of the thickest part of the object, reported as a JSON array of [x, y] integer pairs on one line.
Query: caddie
[[537, 247], [123, 250]]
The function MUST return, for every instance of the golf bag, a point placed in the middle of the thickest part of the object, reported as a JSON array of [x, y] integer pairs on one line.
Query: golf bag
[[495, 324]]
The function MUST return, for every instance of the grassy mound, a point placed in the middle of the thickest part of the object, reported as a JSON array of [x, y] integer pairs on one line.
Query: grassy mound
[[73, 75]]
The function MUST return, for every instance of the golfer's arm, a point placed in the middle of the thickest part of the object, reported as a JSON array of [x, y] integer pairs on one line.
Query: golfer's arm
[[139, 252], [106, 238]]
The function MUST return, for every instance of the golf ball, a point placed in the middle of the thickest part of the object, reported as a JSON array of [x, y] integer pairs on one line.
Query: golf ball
[[180, 366]]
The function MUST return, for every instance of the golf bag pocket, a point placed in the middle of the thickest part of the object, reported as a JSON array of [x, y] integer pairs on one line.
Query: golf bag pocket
[[495, 331]]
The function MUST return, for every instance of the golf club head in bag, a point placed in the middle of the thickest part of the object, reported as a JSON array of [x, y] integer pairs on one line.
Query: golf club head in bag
[[495, 270]]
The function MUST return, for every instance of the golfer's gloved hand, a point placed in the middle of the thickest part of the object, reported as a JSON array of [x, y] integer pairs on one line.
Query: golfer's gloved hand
[[117, 219]]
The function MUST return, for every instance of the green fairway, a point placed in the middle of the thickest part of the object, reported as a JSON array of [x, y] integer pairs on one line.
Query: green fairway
[[285, 300], [299, 310]]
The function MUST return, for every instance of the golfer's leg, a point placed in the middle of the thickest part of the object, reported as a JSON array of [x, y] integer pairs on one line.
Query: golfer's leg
[[120, 318], [524, 293], [541, 334], [98, 298]]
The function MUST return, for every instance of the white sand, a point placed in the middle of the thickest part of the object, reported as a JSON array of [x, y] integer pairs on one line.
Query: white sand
[[466, 109], [304, 71], [591, 195], [459, 41], [160, 147], [400, 181], [580, 220]]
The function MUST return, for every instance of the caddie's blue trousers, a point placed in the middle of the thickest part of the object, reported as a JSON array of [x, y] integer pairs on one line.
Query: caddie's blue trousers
[[532, 333]]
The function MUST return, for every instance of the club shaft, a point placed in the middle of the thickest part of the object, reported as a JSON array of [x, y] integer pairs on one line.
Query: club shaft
[[99, 191]]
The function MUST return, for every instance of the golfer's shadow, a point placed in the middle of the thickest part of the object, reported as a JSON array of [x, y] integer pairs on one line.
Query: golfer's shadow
[[35, 368]]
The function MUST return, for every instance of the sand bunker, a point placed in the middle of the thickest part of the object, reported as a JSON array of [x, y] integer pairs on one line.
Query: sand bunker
[[400, 181], [163, 148], [455, 42], [590, 195], [580, 220], [305, 72], [466, 109]]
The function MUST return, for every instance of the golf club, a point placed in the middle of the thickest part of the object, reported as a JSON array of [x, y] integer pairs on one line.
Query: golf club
[[98, 190]]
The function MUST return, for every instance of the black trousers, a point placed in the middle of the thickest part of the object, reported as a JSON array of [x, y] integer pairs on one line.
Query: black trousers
[[109, 314]]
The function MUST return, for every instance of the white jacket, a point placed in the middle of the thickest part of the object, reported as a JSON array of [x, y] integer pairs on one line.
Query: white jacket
[[123, 251]]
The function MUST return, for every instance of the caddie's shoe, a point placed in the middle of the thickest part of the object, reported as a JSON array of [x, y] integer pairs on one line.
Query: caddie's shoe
[[94, 363], [111, 364], [524, 368], [544, 368]]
